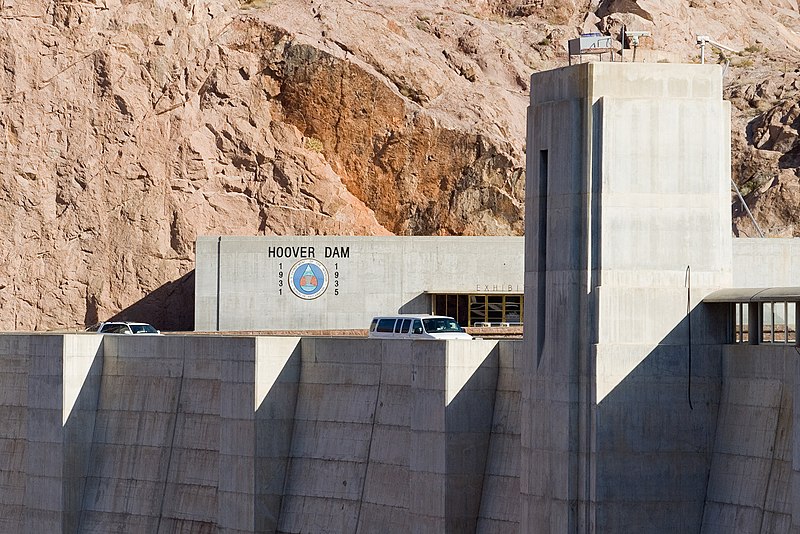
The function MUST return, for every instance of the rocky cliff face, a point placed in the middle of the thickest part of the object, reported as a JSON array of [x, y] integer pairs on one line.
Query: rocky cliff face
[[127, 129]]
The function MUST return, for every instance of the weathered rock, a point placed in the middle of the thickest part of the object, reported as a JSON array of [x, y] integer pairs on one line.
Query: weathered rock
[[778, 128], [127, 129], [625, 7]]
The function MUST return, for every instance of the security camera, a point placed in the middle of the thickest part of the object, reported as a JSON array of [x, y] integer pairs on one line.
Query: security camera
[[633, 37]]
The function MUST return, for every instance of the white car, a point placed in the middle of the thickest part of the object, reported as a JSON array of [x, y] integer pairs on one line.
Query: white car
[[416, 326], [124, 327]]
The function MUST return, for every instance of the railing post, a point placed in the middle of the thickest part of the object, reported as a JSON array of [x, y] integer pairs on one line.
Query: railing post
[[796, 324], [754, 323]]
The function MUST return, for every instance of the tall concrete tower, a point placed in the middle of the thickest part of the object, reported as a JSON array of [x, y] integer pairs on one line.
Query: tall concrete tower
[[627, 229]]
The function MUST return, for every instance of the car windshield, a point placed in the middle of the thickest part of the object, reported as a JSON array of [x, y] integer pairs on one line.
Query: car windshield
[[143, 329], [441, 324]]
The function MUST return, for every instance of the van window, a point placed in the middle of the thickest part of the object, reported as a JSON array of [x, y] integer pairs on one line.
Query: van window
[[386, 325], [373, 325], [417, 327], [398, 326], [441, 324], [406, 324]]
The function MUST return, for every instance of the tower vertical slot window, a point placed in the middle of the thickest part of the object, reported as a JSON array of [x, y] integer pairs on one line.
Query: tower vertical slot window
[[541, 259]]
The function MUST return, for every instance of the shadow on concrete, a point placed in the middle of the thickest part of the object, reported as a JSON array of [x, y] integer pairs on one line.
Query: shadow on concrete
[[655, 430], [750, 488], [452, 455], [169, 308], [78, 439], [419, 304], [468, 425], [274, 420]]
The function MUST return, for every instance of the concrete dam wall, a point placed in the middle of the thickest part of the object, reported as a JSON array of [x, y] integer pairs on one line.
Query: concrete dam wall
[[754, 482], [241, 434], [198, 434]]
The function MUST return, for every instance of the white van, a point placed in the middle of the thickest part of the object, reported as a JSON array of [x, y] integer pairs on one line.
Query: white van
[[416, 326]]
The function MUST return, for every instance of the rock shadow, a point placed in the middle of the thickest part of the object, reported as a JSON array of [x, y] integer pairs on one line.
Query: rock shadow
[[169, 308]]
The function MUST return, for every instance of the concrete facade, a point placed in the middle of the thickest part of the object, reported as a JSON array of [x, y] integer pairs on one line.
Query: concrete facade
[[627, 229], [243, 283], [754, 482], [173, 442], [48, 386], [243, 434], [766, 262], [291, 435]]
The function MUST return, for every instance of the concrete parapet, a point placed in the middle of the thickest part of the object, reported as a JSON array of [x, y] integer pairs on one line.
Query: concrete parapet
[[794, 482], [48, 402], [30, 437], [500, 499], [243, 434], [766, 262], [174, 444], [395, 431], [277, 378], [82, 373], [753, 480], [337, 396]]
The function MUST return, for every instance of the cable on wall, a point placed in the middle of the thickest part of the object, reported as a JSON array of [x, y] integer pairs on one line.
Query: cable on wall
[[688, 284]]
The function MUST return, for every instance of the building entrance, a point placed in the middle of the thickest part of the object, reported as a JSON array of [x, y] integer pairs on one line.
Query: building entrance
[[480, 309]]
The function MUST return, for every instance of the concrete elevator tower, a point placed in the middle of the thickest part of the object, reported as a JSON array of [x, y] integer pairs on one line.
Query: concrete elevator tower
[[627, 229]]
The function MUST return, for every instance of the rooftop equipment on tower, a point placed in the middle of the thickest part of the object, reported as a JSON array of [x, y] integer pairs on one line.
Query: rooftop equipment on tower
[[590, 43]]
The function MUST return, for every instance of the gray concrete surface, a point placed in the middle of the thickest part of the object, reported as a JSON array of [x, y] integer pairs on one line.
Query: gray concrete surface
[[627, 185], [766, 262], [268, 434], [753, 485], [389, 436], [173, 443], [500, 501], [255, 434], [242, 283]]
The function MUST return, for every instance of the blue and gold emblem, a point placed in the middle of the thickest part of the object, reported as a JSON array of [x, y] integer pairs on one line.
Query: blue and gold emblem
[[308, 279]]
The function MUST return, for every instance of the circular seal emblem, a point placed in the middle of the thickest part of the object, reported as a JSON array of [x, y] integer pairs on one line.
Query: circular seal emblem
[[308, 279]]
